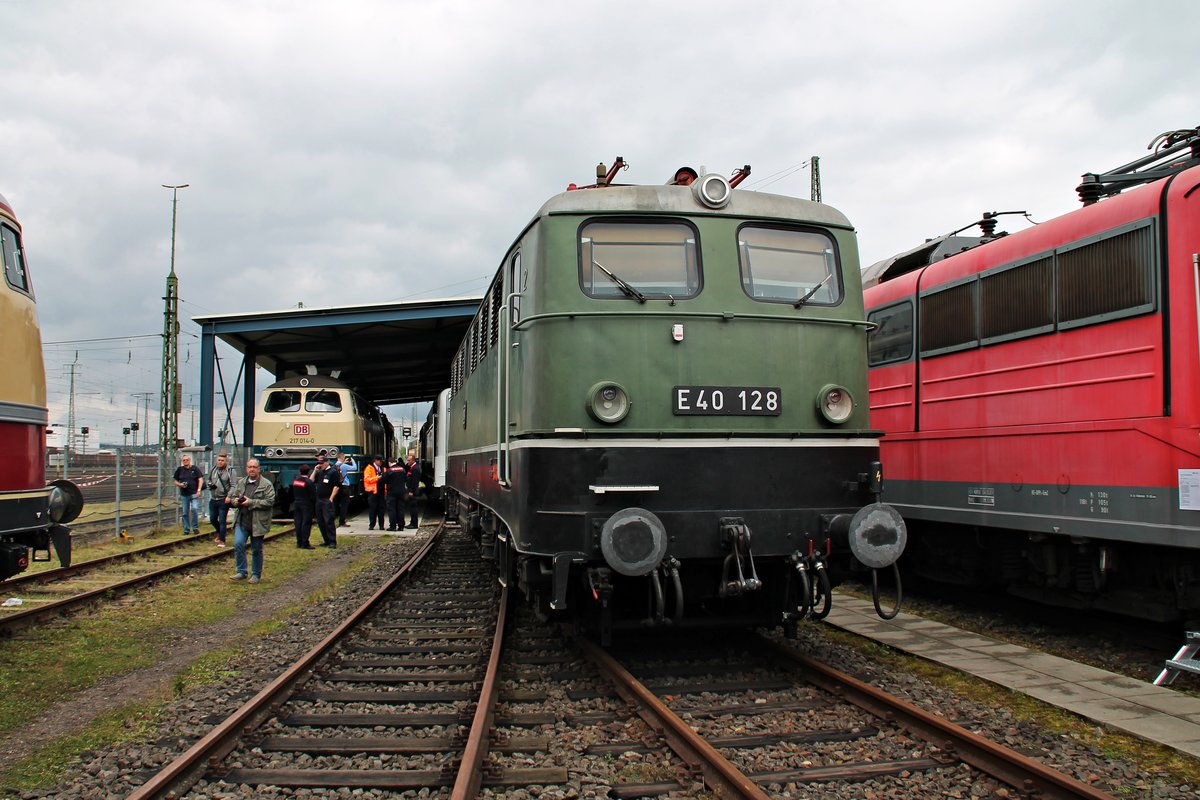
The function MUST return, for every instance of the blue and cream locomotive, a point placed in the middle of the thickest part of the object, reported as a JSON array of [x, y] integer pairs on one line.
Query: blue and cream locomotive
[[658, 415], [305, 416]]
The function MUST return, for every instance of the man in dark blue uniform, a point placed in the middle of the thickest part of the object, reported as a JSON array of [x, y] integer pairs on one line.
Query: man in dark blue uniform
[[304, 506], [393, 483], [328, 481], [412, 484]]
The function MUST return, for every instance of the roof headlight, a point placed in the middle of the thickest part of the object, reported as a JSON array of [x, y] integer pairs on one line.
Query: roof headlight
[[713, 190], [835, 403], [607, 402]]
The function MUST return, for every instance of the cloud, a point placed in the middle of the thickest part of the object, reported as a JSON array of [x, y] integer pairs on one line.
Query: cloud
[[378, 150]]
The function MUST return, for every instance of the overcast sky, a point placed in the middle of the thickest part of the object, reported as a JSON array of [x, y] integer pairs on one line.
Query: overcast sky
[[371, 151]]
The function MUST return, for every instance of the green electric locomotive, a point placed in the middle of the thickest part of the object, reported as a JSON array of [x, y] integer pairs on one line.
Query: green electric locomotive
[[658, 416]]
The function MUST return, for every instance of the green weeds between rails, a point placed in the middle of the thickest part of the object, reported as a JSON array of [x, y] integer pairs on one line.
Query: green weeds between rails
[[52, 663]]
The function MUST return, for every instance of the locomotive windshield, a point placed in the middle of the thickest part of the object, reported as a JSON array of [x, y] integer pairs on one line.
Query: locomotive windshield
[[651, 259], [322, 401], [14, 264], [789, 266], [281, 401]]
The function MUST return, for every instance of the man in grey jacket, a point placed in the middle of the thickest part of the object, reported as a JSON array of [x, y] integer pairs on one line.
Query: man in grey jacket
[[254, 498]]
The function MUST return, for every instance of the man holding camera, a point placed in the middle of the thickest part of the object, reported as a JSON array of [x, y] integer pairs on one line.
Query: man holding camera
[[254, 499]]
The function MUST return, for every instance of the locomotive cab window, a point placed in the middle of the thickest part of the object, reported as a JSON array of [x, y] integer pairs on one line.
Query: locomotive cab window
[[784, 265], [322, 401], [891, 341], [14, 262], [627, 259], [281, 401]]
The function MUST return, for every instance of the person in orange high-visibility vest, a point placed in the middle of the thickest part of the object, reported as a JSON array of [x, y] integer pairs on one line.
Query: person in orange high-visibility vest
[[375, 503]]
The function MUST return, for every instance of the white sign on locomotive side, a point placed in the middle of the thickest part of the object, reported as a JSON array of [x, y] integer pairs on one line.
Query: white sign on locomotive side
[[730, 401]]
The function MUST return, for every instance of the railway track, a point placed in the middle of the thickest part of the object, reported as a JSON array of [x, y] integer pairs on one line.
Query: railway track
[[420, 657], [798, 733], [51, 592], [93, 530], [423, 688]]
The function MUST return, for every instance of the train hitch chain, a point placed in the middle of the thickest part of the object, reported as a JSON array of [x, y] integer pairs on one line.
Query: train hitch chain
[[735, 536]]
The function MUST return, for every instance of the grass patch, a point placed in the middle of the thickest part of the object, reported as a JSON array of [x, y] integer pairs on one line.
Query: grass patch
[[133, 722], [1157, 760], [72, 655]]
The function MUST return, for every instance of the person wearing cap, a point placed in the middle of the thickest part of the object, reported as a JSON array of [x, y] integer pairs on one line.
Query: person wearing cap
[[347, 465], [412, 485], [393, 486], [328, 482], [304, 507]]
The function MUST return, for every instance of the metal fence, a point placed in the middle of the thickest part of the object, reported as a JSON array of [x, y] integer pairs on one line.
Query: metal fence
[[123, 488]]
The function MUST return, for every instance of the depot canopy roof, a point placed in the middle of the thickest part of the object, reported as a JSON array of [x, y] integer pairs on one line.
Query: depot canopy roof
[[389, 353]]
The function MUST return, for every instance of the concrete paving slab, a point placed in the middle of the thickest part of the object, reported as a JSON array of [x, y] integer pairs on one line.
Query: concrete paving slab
[[1064, 695], [1019, 678], [1001, 649], [1166, 730], [1121, 686], [1138, 708]]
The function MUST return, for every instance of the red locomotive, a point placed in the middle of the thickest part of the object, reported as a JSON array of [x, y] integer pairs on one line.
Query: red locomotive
[[32, 513], [1040, 393]]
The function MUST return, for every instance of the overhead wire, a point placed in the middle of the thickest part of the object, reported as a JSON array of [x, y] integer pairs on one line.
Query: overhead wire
[[776, 177]]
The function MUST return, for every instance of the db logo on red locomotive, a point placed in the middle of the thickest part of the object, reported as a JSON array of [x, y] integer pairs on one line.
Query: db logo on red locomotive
[[300, 429]]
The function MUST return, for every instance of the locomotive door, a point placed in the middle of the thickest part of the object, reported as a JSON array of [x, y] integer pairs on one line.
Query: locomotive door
[[508, 342]]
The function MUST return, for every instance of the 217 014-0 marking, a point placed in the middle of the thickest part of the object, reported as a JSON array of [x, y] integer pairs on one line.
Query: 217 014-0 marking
[[731, 401]]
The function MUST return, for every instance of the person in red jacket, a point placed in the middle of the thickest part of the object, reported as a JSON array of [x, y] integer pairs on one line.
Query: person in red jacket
[[375, 503]]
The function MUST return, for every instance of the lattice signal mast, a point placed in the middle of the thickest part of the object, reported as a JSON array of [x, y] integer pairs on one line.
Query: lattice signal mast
[[168, 413]]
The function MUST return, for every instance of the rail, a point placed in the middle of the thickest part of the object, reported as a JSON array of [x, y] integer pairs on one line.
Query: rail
[[180, 774], [719, 774], [1023, 773], [11, 623]]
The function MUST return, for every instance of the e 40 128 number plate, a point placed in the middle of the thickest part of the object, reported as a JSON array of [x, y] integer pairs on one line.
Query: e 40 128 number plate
[[727, 401]]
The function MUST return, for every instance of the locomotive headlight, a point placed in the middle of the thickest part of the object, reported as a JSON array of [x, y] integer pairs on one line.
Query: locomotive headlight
[[608, 402], [713, 190], [835, 403], [65, 502]]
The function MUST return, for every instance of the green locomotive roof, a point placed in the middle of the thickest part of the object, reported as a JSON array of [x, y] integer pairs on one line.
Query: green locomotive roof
[[681, 200]]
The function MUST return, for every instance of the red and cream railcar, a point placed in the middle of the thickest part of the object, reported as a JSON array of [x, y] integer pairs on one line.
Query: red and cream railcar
[[1040, 394], [32, 513]]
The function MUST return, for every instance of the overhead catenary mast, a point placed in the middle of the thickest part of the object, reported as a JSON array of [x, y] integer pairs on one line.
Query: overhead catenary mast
[[171, 391]]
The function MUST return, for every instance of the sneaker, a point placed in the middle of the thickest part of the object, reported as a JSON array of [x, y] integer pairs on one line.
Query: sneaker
[[237, 577], [220, 543], [254, 580]]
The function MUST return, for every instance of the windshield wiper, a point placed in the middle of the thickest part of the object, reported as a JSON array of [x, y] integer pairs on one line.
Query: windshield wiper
[[625, 287], [812, 291]]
